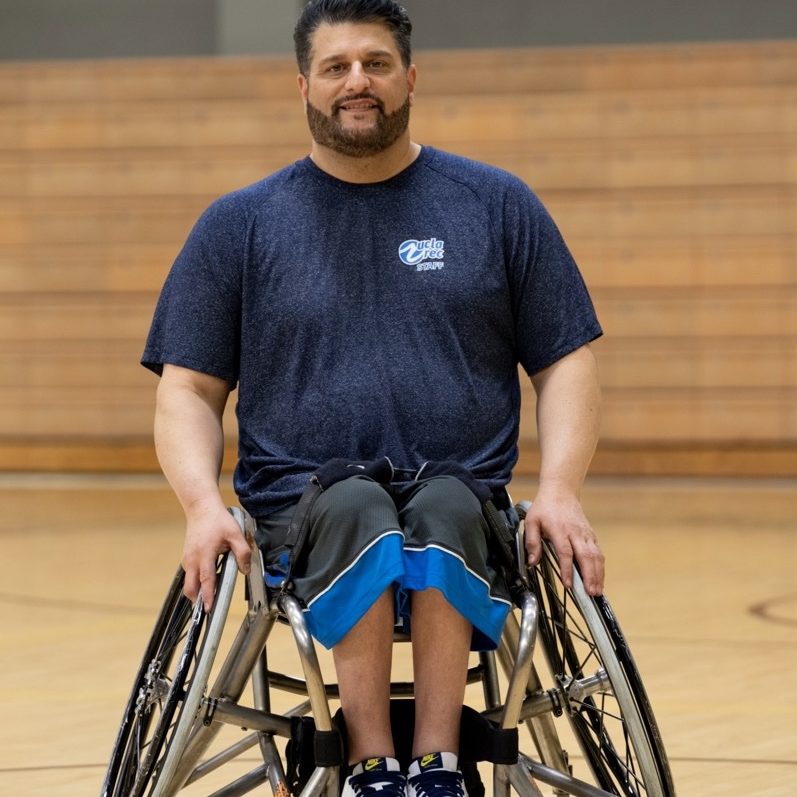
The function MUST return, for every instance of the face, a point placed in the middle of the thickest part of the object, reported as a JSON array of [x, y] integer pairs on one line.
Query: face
[[357, 92]]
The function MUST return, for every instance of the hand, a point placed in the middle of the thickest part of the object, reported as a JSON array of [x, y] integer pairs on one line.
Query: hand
[[208, 535], [559, 518]]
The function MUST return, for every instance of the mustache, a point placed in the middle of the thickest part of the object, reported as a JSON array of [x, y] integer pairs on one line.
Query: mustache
[[355, 97]]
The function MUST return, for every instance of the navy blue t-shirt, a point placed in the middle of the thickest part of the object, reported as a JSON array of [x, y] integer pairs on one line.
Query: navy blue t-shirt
[[360, 321]]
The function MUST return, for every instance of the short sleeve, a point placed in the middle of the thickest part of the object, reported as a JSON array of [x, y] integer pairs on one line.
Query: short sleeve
[[554, 314], [198, 315]]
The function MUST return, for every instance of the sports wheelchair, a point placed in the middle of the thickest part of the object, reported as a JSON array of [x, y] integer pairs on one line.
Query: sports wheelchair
[[586, 724]]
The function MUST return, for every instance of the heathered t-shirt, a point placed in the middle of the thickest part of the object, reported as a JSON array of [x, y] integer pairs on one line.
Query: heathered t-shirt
[[361, 321]]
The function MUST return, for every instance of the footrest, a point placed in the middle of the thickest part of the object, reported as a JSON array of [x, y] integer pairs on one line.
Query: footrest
[[480, 740], [308, 748]]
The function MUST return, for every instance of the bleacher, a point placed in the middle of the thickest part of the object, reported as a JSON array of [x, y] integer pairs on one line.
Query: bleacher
[[672, 171]]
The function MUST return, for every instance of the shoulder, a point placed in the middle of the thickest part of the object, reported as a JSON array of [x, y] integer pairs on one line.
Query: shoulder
[[482, 178], [241, 205], [504, 196]]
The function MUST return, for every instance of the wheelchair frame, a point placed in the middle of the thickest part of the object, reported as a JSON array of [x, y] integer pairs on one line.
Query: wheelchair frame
[[172, 717]]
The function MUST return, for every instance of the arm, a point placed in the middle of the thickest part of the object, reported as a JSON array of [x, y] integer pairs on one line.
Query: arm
[[568, 416], [189, 441]]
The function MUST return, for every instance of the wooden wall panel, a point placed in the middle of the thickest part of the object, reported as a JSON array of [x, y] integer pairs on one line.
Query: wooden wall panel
[[672, 171]]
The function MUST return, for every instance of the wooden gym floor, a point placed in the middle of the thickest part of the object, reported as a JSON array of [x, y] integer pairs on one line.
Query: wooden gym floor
[[701, 575]]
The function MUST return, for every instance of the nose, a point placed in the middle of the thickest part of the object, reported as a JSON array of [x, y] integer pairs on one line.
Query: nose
[[357, 80]]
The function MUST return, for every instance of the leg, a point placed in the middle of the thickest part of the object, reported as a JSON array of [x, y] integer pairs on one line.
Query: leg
[[450, 585], [440, 647], [362, 662], [354, 557]]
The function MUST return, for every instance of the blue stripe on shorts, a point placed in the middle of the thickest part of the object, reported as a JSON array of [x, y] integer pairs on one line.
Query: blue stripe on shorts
[[333, 613], [440, 569]]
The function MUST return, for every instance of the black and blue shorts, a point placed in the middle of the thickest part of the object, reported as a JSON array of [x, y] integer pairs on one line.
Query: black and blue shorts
[[365, 537]]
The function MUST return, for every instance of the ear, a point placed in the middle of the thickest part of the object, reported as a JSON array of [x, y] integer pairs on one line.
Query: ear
[[412, 76], [304, 87]]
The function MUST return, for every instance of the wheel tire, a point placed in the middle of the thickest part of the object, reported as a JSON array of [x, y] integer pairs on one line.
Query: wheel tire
[[167, 690], [615, 727]]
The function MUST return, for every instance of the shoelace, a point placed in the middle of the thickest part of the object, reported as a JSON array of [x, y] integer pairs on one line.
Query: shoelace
[[438, 783], [384, 784]]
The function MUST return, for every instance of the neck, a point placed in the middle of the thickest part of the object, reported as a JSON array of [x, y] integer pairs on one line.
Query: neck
[[372, 169]]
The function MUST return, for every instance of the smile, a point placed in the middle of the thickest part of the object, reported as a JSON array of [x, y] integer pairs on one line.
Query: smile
[[354, 106]]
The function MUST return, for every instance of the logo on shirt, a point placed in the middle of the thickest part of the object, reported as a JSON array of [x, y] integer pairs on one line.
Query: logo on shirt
[[423, 255]]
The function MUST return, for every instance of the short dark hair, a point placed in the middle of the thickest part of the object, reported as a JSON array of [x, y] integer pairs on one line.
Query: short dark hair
[[316, 12]]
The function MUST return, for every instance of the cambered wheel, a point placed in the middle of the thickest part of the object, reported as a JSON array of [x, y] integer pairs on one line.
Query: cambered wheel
[[614, 724], [167, 690]]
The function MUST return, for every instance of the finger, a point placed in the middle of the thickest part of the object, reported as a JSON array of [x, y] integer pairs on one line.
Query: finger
[[564, 553], [190, 580], [207, 583], [242, 553], [533, 541], [590, 560], [593, 568]]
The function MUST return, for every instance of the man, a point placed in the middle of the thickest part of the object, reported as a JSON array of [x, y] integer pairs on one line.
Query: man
[[372, 303]]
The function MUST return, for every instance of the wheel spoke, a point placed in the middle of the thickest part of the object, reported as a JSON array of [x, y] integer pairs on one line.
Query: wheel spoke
[[162, 705], [157, 695], [576, 637]]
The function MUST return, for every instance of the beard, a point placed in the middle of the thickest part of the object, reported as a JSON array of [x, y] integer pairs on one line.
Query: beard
[[327, 131]]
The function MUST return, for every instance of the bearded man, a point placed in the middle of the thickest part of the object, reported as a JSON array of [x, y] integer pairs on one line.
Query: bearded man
[[371, 302]]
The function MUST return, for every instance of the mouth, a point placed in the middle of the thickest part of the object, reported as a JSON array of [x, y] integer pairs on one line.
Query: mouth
[[358, 105]]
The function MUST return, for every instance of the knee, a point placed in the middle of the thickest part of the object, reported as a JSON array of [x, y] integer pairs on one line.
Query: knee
[[354, 498], [447, 500]]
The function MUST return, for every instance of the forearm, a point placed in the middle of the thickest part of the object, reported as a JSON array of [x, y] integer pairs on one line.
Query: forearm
[[189, 441], [568, 420], [568, 417]]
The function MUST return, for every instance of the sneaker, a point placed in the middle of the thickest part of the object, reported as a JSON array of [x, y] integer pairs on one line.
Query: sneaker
[[376, 776], [435, 775]]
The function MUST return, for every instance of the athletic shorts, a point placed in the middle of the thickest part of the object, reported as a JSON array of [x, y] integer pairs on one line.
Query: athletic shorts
[[365, 537]]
